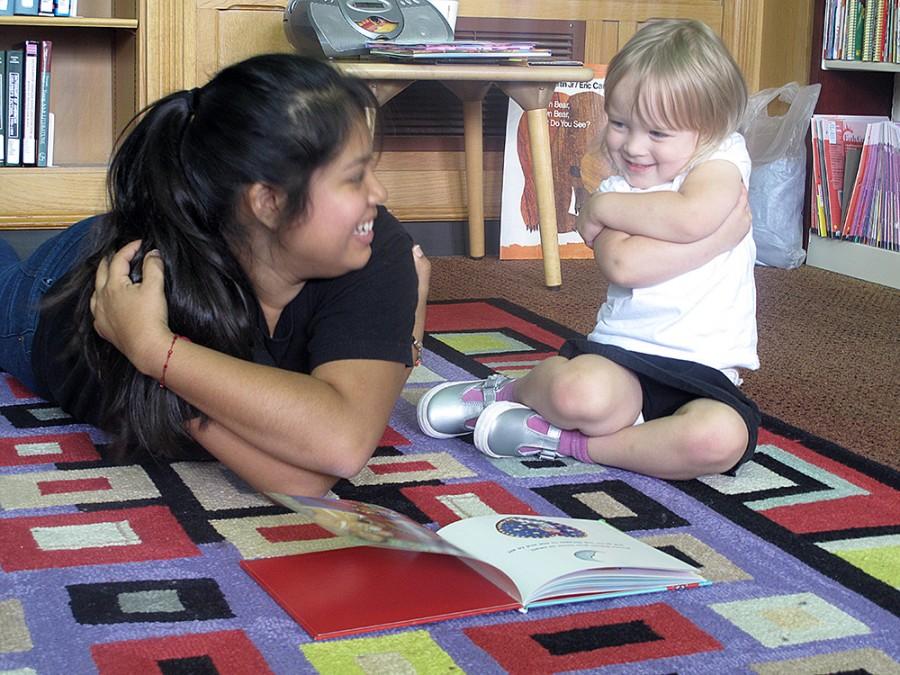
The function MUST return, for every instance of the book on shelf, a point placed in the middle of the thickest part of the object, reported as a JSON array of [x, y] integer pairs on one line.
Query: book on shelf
[[13, 106], [833, 34], [851, 28], [837, 142], [2, 107], [873, 211], [7, 7], [45, 7], [818, 215], [31, 49], [472, 566], [862, 30], [869, 29], [43, 100], [26, 7], [62, 8], [51, 137], [881, 28]]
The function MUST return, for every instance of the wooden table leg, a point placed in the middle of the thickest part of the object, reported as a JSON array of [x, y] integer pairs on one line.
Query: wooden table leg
[[472, 94], [534, 97], [472, 128]]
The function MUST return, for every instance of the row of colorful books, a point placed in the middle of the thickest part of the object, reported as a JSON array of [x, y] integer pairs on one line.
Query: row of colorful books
[[39, 7], [26, 129], [856, 179], [862, 30]]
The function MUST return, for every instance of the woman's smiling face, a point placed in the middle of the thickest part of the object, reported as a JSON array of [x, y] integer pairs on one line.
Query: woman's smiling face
[[334, 235]]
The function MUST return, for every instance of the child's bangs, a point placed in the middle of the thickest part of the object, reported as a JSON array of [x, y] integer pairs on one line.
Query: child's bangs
[[663, 104]]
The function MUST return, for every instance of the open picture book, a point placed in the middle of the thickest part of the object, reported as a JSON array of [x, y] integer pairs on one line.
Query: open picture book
[[390, 571]]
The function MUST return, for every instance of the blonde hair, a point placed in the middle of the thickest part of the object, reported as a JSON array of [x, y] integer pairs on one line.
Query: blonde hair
[[685, 79]]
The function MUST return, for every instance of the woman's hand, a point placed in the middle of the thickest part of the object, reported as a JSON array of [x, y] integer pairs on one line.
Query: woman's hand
[[132, 316]]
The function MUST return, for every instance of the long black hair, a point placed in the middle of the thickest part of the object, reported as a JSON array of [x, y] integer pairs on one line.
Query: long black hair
[[175, 181]]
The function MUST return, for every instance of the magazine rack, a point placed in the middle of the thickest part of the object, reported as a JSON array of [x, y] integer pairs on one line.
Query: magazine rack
[[531, 87]]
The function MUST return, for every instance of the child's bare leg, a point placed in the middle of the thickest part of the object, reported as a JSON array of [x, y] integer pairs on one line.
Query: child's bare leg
[[702, 437], [589, 393]]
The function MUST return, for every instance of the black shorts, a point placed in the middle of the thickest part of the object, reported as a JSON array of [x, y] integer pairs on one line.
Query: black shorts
[[667, 384]]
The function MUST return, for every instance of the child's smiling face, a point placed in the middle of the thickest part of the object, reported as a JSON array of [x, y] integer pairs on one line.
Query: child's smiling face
[[646, 155]]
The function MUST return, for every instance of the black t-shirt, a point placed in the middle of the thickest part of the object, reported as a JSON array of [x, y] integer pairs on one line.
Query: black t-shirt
[[365, 314]]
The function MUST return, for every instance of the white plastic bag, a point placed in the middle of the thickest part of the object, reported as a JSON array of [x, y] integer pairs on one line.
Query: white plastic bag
[[777, 146]]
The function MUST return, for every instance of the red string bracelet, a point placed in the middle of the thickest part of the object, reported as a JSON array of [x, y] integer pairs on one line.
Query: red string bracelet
[[175, 338]]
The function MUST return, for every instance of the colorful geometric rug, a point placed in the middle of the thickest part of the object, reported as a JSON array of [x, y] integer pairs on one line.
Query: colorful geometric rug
[[134, 569]]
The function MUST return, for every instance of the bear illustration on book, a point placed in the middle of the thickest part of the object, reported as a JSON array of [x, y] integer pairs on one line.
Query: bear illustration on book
[[579, 164]]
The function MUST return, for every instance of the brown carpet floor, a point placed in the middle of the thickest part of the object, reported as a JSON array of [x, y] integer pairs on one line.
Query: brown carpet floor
[[829, 344]]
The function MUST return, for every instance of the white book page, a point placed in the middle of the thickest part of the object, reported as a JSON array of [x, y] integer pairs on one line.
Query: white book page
[[534, 551]]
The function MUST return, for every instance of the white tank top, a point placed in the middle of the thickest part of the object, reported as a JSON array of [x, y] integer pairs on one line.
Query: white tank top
[[707, 315]]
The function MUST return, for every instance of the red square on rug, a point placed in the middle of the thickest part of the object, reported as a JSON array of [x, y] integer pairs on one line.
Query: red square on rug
[[223, 652], [97, 538], [592, 640]]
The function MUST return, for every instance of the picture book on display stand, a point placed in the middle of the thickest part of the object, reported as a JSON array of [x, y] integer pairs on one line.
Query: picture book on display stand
[[387, 571], [576, 119]]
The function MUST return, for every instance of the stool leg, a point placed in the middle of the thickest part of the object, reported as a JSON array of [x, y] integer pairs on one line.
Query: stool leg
[[539, 135]]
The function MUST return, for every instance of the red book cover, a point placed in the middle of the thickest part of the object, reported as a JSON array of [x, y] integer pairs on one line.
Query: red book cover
[[380, 588]]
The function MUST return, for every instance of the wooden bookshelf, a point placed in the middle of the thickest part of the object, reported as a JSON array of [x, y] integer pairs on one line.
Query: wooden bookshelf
[[859, 261], [871, 66], [94, 92], [69, 22]]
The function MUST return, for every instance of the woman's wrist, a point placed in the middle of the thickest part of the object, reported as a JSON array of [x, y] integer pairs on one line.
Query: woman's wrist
[[152, 354], [175, 338]]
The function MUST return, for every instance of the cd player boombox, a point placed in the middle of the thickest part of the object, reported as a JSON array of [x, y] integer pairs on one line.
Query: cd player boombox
[[343, 27]]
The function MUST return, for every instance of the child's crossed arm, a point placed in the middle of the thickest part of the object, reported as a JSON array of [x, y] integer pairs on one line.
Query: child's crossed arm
[[635, 261], [696, 210]]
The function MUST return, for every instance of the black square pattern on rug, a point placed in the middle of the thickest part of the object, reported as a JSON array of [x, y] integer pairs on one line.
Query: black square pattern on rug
[[634, 510], [596, 637], [161, 600], [188, 665], [36, 415]]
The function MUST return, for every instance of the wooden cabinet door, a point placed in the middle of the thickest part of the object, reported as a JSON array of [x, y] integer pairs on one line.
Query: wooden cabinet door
[[191, 40]]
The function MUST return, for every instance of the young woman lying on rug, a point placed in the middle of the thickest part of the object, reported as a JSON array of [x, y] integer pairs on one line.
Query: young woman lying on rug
[[654, 387], [246, 293]]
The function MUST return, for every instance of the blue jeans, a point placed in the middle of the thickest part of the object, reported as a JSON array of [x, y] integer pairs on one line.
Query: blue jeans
[[22, 285]]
